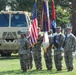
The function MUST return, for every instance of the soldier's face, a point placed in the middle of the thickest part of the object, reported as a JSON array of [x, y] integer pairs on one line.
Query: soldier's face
[[22, 35], [38, 31], [58, 30], [50, 32], [28, 33], [68, 31]]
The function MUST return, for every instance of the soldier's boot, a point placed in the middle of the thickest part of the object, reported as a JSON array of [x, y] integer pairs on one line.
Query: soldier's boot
[[24, 69], [59, 69], [37, 68], [21, 68], [49, 68], [69, 68], [30, 67], [40, 68]]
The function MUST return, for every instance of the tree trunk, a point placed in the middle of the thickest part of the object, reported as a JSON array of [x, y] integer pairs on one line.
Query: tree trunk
[[74, 17]]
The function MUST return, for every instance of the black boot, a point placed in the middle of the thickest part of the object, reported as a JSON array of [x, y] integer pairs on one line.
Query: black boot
[[59, 69]]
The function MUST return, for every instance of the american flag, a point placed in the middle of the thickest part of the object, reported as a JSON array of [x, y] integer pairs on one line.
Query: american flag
[[33, 29]]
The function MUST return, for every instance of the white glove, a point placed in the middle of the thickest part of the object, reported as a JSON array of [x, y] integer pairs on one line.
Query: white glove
[[73, 53], [75, 56], [56, 41], [62, 48], [31, 51]]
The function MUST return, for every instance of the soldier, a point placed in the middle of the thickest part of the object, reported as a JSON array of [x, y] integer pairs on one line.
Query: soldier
[[37, 52], [69, 45], [58, 42], [24, 52], [30, 56], [48, 53]]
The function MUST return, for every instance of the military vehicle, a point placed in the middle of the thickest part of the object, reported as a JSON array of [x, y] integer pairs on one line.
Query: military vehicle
[[11, 24]]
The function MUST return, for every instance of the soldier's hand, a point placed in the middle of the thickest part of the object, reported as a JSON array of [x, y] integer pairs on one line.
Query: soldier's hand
[[62, 48], [73, 53]]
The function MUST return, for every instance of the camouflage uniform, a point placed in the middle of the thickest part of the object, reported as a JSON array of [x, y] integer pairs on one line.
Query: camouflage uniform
[[30, 59], [48, 54], [57, 51], [24, 51], [37, 53], [69, 44], [30, 56]]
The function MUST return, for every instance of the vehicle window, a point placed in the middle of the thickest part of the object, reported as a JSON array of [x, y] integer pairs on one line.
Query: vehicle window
[[4, 20], [18, 20]]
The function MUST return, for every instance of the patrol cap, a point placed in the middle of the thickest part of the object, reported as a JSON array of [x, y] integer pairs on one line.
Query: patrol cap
[[38, 28], [69, 28], [27, 32], [58, 27], [50, 30], [20, 32]]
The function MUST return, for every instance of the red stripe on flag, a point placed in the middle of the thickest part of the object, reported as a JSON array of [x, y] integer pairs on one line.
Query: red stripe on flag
[[33, 32], [53, 10]]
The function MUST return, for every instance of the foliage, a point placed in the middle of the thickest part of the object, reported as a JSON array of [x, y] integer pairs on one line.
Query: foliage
[[63, 17], [2, 4], [63, 8], [63, 12], [24, 5]]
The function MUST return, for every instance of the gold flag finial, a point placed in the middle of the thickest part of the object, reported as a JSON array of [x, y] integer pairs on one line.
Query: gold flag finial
[[52, 0], [35, 0]]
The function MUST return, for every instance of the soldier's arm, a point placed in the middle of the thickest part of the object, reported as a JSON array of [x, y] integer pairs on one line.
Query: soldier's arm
[[51, 41], [62, 40], [27, 43], [63, 43], [73, 43], [40, 39]]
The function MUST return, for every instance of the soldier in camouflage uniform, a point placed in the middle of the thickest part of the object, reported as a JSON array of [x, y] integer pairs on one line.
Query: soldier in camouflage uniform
[[37, 52], [30, 56], [58, 42], [69, 45], [24, 52], [48, 53]]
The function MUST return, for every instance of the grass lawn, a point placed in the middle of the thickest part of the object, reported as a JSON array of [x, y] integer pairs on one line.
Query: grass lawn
[[11, 66]]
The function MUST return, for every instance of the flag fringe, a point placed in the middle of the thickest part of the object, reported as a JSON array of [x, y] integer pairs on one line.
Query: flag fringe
[[33, 44], [45, 50]]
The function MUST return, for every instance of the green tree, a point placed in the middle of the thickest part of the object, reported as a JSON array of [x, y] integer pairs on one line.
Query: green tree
[[24, 5], [63, 12], [2, 4], [63, 8]]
